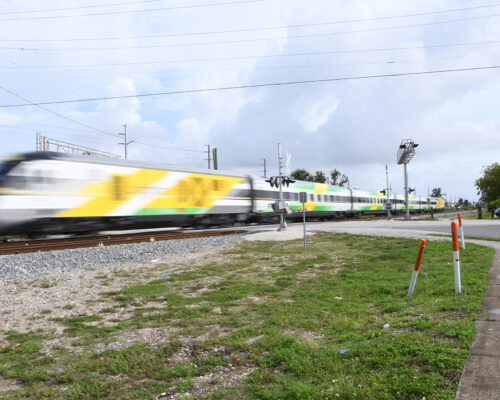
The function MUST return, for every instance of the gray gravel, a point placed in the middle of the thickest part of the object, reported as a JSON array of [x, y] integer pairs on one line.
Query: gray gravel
[[19, 267]]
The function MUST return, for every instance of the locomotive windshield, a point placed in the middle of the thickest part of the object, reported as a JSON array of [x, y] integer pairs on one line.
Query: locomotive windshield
[[5, 168]]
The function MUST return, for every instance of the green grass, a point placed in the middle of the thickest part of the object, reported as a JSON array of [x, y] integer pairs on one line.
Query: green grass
[[468, 237], [473, 215], [269, 309]]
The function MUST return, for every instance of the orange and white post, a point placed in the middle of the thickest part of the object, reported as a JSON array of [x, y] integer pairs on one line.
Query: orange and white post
[[456, 257], [416, 268], [460, 226]]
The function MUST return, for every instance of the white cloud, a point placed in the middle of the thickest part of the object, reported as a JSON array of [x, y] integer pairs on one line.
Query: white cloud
[[314, 115]]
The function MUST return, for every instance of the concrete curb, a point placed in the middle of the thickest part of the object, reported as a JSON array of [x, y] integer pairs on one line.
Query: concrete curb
[[481, 374]]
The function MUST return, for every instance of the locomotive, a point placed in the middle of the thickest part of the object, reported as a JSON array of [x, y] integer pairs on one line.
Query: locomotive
[[57, 193]]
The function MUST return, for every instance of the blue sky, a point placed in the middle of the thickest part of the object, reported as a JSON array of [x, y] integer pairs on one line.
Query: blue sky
[[355, 126]]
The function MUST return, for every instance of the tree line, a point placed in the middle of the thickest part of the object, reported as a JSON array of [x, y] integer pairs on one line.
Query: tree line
[[335, 177], [488, 186]]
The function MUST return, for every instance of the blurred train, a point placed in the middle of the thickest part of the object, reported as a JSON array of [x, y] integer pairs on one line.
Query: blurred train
[[56, 193]]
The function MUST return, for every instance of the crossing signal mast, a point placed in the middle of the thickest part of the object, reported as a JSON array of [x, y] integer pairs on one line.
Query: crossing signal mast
[[280, 207], [387, 191], [406, 152]]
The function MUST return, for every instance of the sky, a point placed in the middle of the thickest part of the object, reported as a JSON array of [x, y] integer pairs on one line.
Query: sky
[[85, 49]]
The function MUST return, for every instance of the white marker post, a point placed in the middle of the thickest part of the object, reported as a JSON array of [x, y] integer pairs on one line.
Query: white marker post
[[461, 230], [456, 257], [416, 268], [303, 200]]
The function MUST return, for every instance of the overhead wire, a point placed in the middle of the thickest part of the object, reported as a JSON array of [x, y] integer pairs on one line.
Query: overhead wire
[[78, 8], [58, 114], [351, 51], [252, 40], [258, 85], [226, 3], [254, 29], [92, 127], [392, 61]]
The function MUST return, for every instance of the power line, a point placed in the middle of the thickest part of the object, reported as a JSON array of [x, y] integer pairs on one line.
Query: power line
[[278, 67], [350, 78], [57, 114], [169, 148], [227, 3], [262, 28], [255, 56], [78, 8], [89, 126], [248, 40]]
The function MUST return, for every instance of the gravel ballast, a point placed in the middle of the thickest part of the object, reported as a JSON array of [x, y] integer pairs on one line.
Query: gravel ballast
[[17, 267]]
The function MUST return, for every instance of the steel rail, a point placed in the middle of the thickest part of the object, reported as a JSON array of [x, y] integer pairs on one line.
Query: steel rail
[[31, 246]]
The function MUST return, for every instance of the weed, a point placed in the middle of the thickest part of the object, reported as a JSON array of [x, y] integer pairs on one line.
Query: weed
[[309, 324]]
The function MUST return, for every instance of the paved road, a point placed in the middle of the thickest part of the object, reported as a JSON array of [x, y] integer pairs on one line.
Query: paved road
[[382, 227], [476, 228]]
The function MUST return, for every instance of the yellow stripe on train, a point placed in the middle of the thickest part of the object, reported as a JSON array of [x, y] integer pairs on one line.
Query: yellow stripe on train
[[320, 188], [105, 196], [195, 191]]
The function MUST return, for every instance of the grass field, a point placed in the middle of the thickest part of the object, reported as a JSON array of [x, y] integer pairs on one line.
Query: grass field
[[266, 320], [473, 215]]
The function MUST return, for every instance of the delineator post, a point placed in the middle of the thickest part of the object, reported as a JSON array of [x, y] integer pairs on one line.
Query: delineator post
[[456, 257], [416, 268], [461, 230]]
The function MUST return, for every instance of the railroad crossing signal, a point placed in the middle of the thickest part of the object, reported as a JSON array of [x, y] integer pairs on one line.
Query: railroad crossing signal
[[275, 181]]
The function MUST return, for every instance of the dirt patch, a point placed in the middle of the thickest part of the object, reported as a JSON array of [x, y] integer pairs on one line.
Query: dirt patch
[[222, 377], [27, 306], [309, 337], [7, 386], [152, 337]]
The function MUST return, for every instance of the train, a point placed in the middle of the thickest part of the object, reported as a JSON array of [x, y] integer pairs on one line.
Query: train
[[45, 193]]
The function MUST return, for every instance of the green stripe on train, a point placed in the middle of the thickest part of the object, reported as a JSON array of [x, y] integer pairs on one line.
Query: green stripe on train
[[336, 190], [324, 208], [305, 187]]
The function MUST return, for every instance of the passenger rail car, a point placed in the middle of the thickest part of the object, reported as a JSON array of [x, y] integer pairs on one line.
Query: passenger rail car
[[47, 192]]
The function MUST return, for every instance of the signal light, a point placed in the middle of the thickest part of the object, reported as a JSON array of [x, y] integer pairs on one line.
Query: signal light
[[287, 181], [382, 191], [275, 181], [271, 181], [411, 190]]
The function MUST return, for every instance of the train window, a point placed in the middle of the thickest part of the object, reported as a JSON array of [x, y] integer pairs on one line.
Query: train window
[[6, 166]]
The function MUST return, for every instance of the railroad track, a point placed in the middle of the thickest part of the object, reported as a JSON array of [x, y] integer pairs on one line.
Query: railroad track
[[100, 241]]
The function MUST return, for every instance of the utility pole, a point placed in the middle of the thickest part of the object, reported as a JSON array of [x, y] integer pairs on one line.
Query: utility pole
[[265, 169], [208, 154], [216, 162], [125, 142], [282, 216], [388, 202]]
